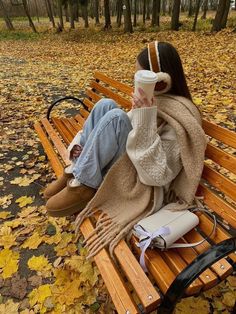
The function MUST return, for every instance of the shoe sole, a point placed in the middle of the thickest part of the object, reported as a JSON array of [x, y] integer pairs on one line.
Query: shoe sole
[[67, 211]]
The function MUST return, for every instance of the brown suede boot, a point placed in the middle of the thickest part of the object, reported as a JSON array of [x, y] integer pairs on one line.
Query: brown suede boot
[[57, 185], [69, 201]]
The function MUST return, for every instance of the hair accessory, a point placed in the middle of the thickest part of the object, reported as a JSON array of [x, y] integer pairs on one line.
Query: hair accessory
[[163, 84]]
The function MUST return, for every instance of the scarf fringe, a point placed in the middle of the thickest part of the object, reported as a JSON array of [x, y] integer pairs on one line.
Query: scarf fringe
[[102, 242]]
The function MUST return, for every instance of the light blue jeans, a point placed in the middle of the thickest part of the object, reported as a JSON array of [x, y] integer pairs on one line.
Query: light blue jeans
[[103, 140]]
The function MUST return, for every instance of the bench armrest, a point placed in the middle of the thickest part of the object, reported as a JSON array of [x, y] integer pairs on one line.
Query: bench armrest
[[192, 271], [62, 99]]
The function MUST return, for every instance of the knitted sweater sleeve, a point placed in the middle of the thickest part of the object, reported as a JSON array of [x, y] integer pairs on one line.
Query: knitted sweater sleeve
[[154, 153]]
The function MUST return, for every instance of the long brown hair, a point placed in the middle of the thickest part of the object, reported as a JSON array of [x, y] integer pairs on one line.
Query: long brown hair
[[171, 64]]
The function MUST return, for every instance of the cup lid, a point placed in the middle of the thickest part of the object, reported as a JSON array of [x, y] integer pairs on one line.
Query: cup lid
[[146, 76]]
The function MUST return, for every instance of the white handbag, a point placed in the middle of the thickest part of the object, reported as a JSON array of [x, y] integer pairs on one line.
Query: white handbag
[[165, 227]]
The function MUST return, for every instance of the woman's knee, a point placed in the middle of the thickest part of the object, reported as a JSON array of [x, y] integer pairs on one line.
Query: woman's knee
[[105, 104], [118, 114]]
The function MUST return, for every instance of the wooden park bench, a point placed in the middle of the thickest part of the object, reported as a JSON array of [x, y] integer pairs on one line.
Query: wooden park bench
[[174, 273]]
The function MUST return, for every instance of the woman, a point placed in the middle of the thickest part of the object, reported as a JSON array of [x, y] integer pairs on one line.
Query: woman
[[151, 156]]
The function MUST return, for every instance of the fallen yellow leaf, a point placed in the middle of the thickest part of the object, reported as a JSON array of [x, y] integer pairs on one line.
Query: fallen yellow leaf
[[24, 200], [8, 263]]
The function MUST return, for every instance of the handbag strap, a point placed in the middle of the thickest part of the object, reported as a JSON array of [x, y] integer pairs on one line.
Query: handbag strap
[[188, 245]]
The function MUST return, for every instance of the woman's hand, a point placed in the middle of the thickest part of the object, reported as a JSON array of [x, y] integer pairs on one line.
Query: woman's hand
[[141, 101], [75, 152]]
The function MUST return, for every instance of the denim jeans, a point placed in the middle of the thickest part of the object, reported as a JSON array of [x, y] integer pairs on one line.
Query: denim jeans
[[103, 140]]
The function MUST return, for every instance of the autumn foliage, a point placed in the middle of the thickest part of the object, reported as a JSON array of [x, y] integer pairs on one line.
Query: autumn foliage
[[42, 269]]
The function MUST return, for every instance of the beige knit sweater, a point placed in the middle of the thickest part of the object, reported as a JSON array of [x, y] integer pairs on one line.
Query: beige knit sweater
[[163, 164]]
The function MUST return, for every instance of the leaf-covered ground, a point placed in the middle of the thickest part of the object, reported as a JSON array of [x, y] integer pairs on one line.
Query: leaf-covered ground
[[41, 268]]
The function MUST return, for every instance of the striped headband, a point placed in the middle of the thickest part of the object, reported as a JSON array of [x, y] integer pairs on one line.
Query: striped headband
[[153, 57]]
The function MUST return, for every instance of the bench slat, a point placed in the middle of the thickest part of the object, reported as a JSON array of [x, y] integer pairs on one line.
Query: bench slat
[[67, 137], [221, 134], [206, 224], [218, 205], [142, 285], [76, 125], [156, 266], [114, 283], [177, 264], [80, 119], [93, 96], [52, 156], [84, 113], [118, 85], [194, 236], [70, 129], [110, 94], [208, 277], [56, 141], [88, 103], [221, 158], [219, 181]]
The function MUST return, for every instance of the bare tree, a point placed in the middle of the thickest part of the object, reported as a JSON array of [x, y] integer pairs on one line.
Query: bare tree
[[221, 15], [144, 11], [72, 14], [59, 8], [96, 11], [225, 15], [175, 15], [156, 7], [26, 9], [190, 8], [205, 8], [6, 16], [119, 12], [107, 14], [198, 4], [148, 10], [135, 14], [128, 28], [164, 7], [84, 8], [50, 13]]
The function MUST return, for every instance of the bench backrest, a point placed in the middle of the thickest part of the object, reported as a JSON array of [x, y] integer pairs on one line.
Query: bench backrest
[[218, 184]]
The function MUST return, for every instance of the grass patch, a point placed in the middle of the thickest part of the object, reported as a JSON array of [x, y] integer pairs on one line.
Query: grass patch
[[18, 35]]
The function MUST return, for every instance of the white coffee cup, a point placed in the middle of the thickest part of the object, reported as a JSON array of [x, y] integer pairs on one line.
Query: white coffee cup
[[146, 80]]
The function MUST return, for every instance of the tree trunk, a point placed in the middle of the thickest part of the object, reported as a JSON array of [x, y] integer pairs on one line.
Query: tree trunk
[[217, 24], [6, 17], [170, 7], [164, 7], [205, 9], [127, 17], [50, 14], [135, 13], [76, 11], [148, 10], [190, 8], [144, 11], [225, 15], [96, 12], [84, 7], [198, 4], [26, 9], [59, 4], [107, 14], [36, 9], [119, 12], [156, 7], [175, 15], [66, 12], [72, 15]]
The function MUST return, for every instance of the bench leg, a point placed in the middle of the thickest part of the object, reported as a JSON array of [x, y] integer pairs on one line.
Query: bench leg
[[192, 271]]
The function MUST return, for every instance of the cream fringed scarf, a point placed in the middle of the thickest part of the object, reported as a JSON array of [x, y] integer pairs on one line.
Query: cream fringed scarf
[[123, 200]]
